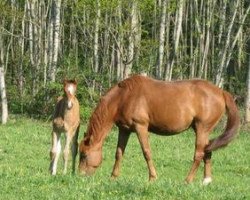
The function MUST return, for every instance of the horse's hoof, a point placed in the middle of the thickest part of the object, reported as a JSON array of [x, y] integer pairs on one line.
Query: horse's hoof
[[207, 181], [188, 181]]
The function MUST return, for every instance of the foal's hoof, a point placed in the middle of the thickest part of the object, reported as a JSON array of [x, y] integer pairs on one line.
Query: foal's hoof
[[207, 181], [113, 177], [152, 178]]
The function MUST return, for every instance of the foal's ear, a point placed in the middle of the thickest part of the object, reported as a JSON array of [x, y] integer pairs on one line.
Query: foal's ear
[[75, 81], [65, 81]]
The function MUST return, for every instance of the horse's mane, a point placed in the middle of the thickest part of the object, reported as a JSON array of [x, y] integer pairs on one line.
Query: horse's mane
[[97, 119], [100, 116]]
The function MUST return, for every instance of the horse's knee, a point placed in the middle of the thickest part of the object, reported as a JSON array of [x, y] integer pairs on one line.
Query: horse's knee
[[199, 156]]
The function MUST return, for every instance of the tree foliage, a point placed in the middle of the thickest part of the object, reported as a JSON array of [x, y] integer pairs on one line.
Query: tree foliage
[[99, 40]]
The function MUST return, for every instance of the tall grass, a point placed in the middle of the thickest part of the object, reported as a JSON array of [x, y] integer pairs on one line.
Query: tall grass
[[24, 162]]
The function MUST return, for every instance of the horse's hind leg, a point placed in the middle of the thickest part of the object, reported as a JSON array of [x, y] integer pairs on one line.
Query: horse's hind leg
[[142, 133], [200, 144], [207, 168], [55, 152], [121, 145], [74, 149]]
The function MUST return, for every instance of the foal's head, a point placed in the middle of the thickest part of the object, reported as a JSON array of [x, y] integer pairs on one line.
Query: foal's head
[[70, 90], [90, 157]]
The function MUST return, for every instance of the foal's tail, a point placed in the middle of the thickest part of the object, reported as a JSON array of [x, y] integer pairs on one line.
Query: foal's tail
[[233, 123]]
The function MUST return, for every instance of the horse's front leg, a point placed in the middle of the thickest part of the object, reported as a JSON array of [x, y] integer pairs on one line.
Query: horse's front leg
[[143, 135], [121, 145]]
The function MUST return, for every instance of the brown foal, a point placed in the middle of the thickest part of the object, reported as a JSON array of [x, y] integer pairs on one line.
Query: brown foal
[[66, 119], [142, 105]]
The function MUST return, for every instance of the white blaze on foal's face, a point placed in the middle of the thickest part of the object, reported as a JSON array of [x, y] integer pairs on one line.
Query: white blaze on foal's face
[[71, 89]]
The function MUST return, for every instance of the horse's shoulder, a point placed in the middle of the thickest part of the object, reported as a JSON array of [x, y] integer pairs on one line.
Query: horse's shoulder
[[133, 81], [202, 83]]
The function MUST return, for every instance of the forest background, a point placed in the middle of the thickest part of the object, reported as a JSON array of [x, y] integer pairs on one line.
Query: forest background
[[100, 42]]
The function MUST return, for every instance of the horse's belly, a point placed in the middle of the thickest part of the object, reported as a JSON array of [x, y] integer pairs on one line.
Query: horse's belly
[[166, 131], [170, 127]]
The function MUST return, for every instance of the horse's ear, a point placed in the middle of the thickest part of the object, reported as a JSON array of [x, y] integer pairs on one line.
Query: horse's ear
[[86, 141]]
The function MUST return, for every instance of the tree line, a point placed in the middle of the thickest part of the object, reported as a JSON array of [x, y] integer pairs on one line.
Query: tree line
[[100, 42]]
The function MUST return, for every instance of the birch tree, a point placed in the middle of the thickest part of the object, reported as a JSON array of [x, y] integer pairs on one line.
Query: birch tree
[[96, 37], [224, 51], [177, 33], [131, 46], [4, 104], [161, 39], [54, 39], [247, 100]]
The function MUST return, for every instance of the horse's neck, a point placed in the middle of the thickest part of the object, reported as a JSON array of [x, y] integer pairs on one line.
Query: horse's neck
[[100, 125]]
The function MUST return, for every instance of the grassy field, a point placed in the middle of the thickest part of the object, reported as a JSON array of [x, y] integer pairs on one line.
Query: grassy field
[[24, 161]]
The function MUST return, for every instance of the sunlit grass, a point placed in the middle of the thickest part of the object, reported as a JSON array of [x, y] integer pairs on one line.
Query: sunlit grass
[[24, 162]]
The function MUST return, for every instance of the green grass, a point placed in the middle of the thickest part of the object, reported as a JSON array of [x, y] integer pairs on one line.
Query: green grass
[[24, 161]]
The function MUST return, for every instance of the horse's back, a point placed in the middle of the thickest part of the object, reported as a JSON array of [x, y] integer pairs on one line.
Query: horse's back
[[169, 106]]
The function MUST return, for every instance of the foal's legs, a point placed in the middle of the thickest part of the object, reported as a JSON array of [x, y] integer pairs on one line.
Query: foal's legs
[[121, 145], [69, 136], [74, 149], [55, 151], [142, 133]]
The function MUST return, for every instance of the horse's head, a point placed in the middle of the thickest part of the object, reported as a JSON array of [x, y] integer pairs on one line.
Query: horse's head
[[70, 90], [90, 157]]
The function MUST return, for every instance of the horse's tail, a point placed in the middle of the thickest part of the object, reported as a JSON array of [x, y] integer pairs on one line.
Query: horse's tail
[[233, 123]]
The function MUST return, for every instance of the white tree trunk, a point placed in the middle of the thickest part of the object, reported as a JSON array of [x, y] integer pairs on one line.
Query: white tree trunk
[[177, 34], [3, 96], [56, 37], [119, 51], [247, 114], [96, 36], [131, 47], [161, 39], [223, 55], [56, 8], [237, 36], [2, 83]]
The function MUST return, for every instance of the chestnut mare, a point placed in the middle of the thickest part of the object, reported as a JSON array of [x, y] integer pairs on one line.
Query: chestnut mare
[[66, 119], [141, 104]]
